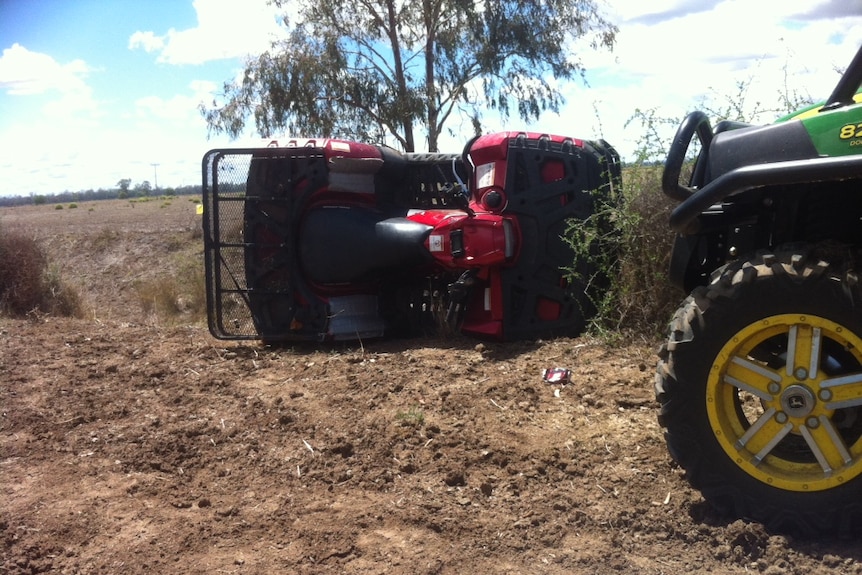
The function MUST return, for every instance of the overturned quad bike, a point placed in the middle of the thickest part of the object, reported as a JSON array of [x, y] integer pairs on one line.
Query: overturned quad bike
[[760, 380], [324, 240]]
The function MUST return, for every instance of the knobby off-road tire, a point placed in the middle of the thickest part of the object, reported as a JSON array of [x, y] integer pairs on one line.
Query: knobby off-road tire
[[760, 386]]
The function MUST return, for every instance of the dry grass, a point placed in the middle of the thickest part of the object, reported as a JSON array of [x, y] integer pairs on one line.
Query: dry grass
[[630, 243], [143, 258], [646, 299], [29, 284], [176, 297]]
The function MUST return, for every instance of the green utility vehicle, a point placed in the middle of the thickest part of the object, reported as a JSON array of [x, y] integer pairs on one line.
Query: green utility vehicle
[[760, 379]]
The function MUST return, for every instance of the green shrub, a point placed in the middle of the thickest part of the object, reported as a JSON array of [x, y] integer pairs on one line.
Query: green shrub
[[413, 417], [645, 299], [628, 240], [634, 251]]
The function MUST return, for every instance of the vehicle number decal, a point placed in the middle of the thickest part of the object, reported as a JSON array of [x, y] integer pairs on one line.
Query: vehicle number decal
[[850, 131]]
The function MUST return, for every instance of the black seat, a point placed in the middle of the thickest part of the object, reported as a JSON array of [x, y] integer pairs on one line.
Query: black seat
[[731, 149], [342, 244]]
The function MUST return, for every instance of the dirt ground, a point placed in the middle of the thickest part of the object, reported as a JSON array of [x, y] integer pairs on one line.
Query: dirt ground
[[130, 444]]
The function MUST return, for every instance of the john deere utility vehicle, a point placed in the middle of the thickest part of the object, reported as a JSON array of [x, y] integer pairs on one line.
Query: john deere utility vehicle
[[760, 380]]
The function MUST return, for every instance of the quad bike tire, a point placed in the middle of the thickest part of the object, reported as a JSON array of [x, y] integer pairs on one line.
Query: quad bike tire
[[760, 386]]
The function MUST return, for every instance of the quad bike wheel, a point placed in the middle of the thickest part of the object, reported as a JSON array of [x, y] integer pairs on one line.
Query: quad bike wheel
[[760, 384]]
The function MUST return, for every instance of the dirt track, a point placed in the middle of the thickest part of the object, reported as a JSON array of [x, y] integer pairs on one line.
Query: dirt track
[[128, 445]]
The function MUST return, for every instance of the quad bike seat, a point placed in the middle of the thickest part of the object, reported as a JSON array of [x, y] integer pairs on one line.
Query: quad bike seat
[[343, 244]]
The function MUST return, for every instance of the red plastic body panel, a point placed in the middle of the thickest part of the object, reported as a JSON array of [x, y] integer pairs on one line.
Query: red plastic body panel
[[485, 311], [482, 238]]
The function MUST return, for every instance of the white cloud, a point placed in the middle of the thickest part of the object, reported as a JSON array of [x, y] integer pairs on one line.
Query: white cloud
[[148, 41], [657, 11], [59, 150], [23, 73], [691, 50], [72, 103], [225, 30], [675, 56], [730, 33], [826, 9], [177, 108]]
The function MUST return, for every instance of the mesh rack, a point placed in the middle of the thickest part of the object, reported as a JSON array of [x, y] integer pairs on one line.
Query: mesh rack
[[253, 205]]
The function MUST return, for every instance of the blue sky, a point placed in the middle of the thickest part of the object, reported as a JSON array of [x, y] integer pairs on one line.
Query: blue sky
[[95, 91]]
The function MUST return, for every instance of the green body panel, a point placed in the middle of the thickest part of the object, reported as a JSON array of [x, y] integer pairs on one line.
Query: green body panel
[[800, 113], [836, 132]]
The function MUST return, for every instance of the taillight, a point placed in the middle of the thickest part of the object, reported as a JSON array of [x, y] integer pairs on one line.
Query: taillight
[[509, 236]]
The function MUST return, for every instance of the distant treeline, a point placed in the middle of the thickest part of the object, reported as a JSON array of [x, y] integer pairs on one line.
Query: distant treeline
[[100, 194]]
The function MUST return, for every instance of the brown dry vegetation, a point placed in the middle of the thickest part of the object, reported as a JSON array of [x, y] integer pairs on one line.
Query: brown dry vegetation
[[131, 441]]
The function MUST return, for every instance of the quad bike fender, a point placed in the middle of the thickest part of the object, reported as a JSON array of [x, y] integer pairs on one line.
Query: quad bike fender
[[485, 317], [489, 155]]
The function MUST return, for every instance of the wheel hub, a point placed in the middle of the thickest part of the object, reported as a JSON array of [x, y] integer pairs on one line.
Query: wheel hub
[[779, 398], [797, 400]]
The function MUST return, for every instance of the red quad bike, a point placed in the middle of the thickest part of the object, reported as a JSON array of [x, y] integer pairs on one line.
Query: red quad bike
[[760, 380], [322, 240]]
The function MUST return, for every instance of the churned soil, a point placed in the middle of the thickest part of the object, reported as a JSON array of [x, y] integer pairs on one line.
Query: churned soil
[[131, 443]]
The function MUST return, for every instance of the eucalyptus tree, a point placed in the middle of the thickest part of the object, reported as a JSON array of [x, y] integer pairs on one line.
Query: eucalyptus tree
[[392, 69]]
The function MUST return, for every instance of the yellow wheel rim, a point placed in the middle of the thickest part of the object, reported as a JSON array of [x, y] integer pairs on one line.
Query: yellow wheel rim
[[784, 400]]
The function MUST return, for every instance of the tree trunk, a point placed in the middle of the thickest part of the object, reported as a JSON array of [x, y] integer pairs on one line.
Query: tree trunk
[[431, 15], [401, 82]]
